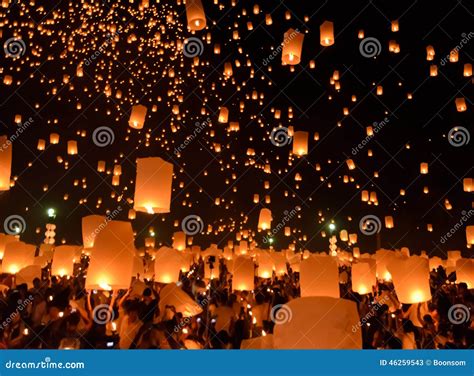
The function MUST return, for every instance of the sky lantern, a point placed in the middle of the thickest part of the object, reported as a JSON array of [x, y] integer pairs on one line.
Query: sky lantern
[[243, 274], [54, 138], [383, 257], [179, 240], [17, 255], [91, 226], [195, 15], [265, 264], [111, 258], [411, 278], [292, 47], [137, 116], [363, 276], [4, 240], [467, 70], [153, 185], [327, 323], [172, 295], [223, 115], [460, 104], [168, 264], [319, 276], [470, 235], [300, 143], [465, 272], [5, 163], [423, 168], [350, 164], [326, 31], [389, 221], [468, 184], [265, 219], [72, 147], [63, 260], [344, 235]]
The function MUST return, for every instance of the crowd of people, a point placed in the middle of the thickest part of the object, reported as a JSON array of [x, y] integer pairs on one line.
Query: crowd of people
[[59, 313]]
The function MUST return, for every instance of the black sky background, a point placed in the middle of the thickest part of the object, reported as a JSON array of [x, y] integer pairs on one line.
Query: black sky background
[[423, 123]]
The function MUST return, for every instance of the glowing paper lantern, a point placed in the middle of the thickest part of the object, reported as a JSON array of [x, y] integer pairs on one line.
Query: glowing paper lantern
[[265, 219], [383, 257], [137, 116], [292, 47], [411, 278], [63, 260], [5, 163], [179, 240], [461, 104], [468, 184], [28, 274], [195, 15], [111, 258], [465, 272], [172, 295], [470, 235], [389, 221], [363, 277], [167, 265], [153, 185], [423, 168], [300, 143], [265, 265], [18, 255], [243, 274], [4, 240], [327, 323], [319, 276], [326, 31], [91, 226], [279, 260], [72, 147]]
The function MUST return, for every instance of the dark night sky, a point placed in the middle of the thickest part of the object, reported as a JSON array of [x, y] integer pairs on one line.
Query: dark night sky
[[422, 122]]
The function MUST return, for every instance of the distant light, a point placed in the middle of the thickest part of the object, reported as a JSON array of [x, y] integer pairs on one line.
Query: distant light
[[332, 226], [51, 213], [271, 240], [152, 233]]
